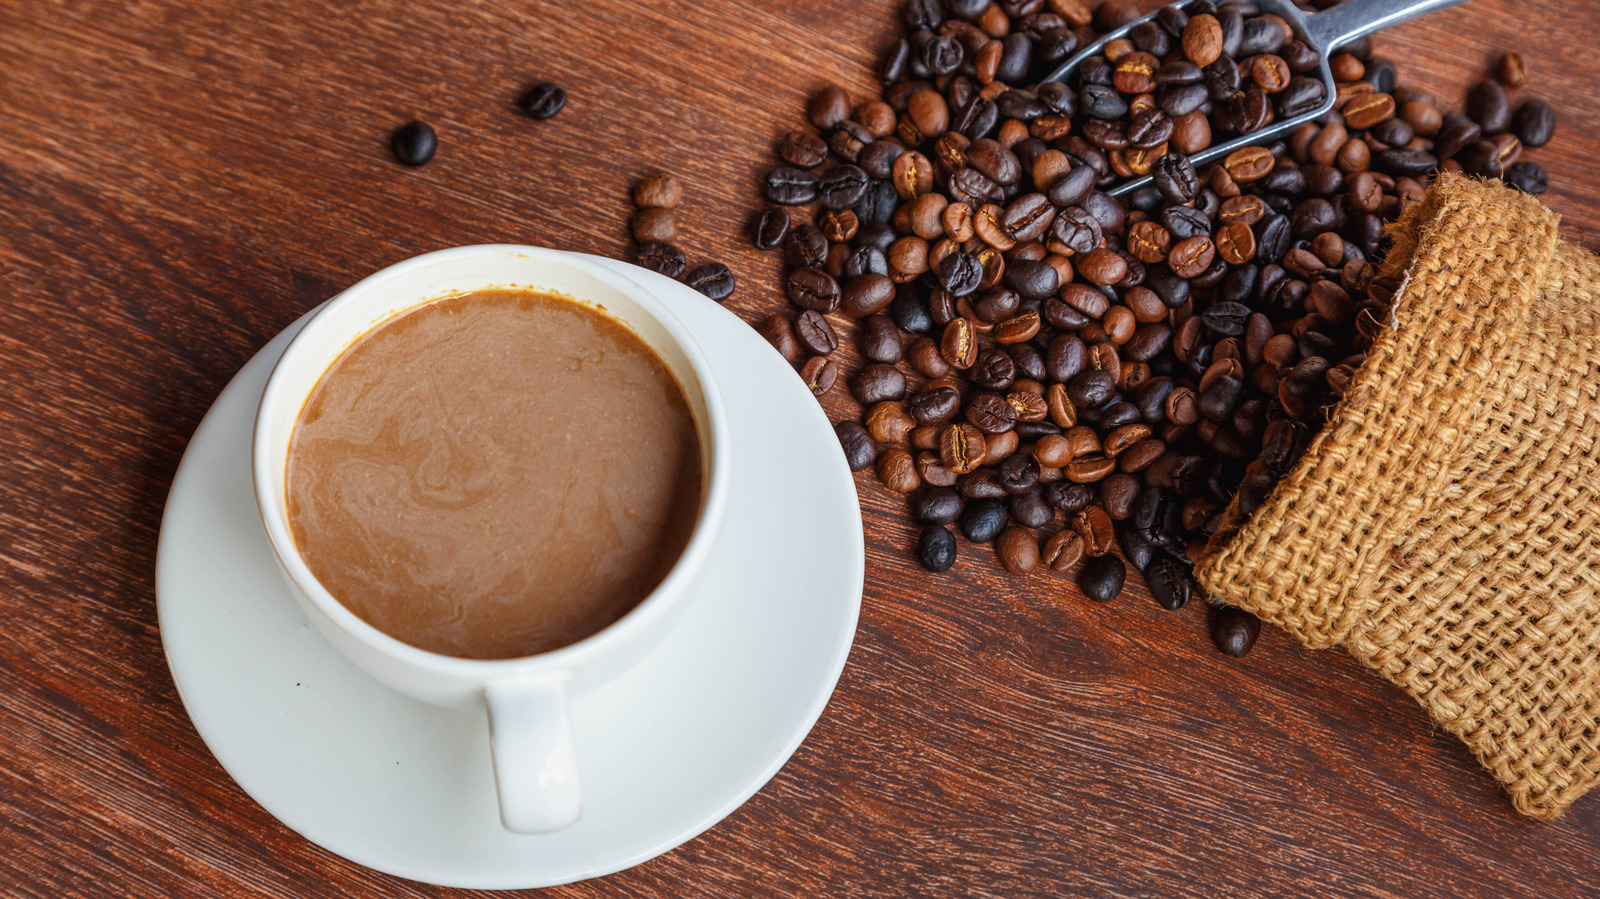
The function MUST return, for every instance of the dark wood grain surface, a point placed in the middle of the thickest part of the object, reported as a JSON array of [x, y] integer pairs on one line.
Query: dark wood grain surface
[[179, 180]]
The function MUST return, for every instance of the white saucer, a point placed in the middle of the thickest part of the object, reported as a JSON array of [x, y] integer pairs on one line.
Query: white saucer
[[664, 752]]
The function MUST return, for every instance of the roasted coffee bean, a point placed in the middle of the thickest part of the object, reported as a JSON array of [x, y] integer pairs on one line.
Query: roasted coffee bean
[[1062, 550], [414, 143], [1511, 70], [959, 344], [811, 288], [1534, 124], [936, 548], [960, 273], [791, 186], [860, 451], [934, 405], [770, 228], [1489, 105], [866, 295], [814, 333], [661, 258], [1101, 578], [962, 448], [1017, 549], [805, 246], [1234, 631], [880, 340], [712, 279], [820, 373], [1030, 510], [544, 100], [937, 505], [1528, 177], [983, 519], [802, 150], [878, 382], [990, 413], [1170, 582]]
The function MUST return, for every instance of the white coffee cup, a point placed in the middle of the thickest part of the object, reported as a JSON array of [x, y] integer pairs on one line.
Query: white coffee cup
[[535, 768]]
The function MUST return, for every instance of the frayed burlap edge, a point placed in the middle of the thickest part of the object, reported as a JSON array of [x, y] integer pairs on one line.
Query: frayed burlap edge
[[1424, 530]]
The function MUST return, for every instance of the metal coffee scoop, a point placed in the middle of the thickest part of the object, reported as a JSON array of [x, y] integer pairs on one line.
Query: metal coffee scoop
[[1323, 31]]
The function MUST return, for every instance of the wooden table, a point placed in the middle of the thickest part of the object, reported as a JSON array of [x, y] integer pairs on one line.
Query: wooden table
[[178, 181]]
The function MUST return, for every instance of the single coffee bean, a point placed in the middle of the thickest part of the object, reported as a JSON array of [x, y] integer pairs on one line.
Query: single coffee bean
[[866, 295], [1534, 124], [660, 191], [936, 548], [1062, 550], [959, 345], [1489, 105], [414, 143], [712, 279], [811, 288], [820, 373], [814, 333], [897, 470], [840, 187], [829, 107], [983, 519], [878, 382], [1234, 631], [544, 100], [791, 186], [937, 505], [661, 258], [1101, 578], [934, 405], [770, 228], [1512, 71], [860, 451], [880, 339], [1528, 177], [653, 225], [1171, 584], [1017, 549], [962, 448]]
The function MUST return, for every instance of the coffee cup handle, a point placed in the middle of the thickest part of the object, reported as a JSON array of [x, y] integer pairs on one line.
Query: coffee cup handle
[[535, 767]]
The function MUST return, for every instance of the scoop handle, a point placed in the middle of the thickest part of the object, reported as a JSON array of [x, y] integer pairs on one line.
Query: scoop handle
[[1355, 19], [535, 767]]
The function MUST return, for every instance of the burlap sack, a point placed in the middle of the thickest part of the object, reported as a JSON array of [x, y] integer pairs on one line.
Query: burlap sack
[[1442, 527]]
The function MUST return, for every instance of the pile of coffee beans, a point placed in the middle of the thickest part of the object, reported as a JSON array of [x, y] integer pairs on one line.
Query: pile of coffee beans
[[1086, 382], [655, 228]]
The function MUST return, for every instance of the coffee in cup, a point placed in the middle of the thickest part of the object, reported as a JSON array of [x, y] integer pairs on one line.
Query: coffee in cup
[[494, 475]]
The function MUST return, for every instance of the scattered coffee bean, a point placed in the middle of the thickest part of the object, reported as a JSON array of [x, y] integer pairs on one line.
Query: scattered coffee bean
[[712, 279], [936, 548], [1101, 578], [414, 143], [820, 373], [661, 258], [655, 225], [1234, 631], [860, 451], [659, 191], [544, 100]]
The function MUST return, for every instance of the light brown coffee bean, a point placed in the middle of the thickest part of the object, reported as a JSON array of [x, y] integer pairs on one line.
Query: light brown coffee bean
[[1062, 410], [959, 345], [820, 374], [1191, 256], [1062, 550], [1095, 528], [660, 190], [1016, 547], [932, 471], [962, 447], [1366, 110], [1249, 164], [655, 224], [1019, 329], [889, 423], [1202, 39], [897, 469], [1236, 243]]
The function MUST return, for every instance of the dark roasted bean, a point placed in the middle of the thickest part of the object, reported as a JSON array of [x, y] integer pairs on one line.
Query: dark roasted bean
[[544, 100], [1101, 578], [414, 143]]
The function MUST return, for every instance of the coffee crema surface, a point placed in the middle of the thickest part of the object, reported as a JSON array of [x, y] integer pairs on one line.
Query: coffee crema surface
[[494, 475]]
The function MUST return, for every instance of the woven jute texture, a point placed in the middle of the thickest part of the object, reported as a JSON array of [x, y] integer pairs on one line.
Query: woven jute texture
[[1444, 527]]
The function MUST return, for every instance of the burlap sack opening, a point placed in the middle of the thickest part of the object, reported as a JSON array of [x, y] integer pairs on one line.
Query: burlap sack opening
[[1442, 526]]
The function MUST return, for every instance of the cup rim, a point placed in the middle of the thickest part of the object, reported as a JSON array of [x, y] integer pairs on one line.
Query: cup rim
[[674, 588]]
